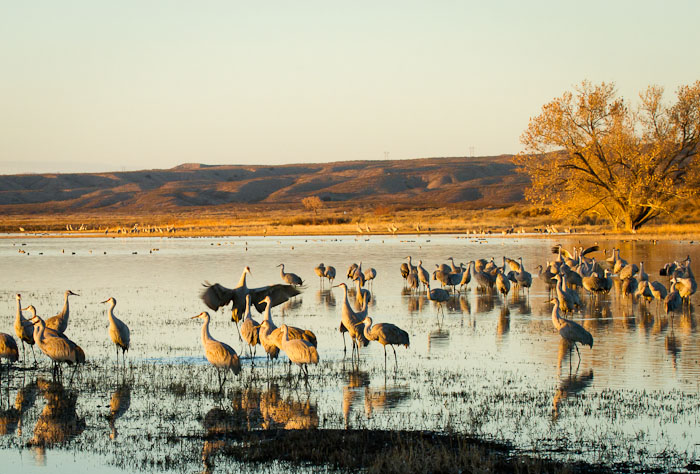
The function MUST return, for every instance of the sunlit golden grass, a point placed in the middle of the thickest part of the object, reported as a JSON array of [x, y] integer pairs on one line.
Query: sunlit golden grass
[[354, 219]]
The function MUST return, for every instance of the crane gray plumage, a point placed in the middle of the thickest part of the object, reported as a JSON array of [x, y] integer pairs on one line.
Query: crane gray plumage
[[351, 271], [24, 329], [568, 299], [455, 268], [570, 330], [8, 349], [330, 274], [596, 284], [216, 296], [58, 349], [299, 351], [385, 333], [48, 333], [658, 290], [250, 327], [523, 278], [673, 300], [290, 278], [644, 291], [59, 323], [405, 271], [439, 296], [321, 272], [370, 274], [628, 271], [423, 275], [265, 332], [502, 281], [413, 282], [220, 355], [118, 330], [351, 322]]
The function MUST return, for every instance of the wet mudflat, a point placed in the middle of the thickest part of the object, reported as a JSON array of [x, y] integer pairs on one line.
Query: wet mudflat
[[491, 368]]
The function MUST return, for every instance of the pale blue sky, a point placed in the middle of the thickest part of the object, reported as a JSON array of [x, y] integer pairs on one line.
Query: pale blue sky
[[95, 85]]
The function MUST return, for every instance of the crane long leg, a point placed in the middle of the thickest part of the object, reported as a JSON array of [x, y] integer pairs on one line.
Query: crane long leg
[[395, 361], [384, 346]]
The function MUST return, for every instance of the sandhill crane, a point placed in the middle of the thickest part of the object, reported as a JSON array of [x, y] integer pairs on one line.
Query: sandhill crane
[[596, 284], [658, 290], [385, 333], [570, 330], [351, 271], [290, 278], [8, 350], [438, 295], [250, 328], [643, 276], [24, 330], [423, 275], [411, 267], [51, 333], [644, 291], [57, 348], [330, 274], [628, 271], [216, 296], [265, 333], [59, 323], [412, 281], [219, 354], [502, 283], [405, 270], [466, 275], [673, 300], [455, 268], [321, 272], [299, 351], [118, 330], [370, 274], [522, 278], [351, 322]]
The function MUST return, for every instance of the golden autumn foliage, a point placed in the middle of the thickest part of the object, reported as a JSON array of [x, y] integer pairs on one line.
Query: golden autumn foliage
[[312, 203], [588, 152]]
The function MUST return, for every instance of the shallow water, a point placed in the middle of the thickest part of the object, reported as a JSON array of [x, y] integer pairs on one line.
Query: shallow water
[[488, 367]]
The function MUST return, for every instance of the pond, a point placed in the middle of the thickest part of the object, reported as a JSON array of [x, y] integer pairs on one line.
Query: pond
[[489, 367]]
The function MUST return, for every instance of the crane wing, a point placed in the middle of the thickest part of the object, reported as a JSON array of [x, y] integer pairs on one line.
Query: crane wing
[[277, 293], [564, 252], [592, 249], [215, 296], [515, 266]]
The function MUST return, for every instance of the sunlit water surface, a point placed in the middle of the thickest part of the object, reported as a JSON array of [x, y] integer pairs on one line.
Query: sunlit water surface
[[488, 367]]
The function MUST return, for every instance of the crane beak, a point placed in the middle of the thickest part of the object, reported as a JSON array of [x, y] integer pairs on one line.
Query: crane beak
[[74, 294], [25, 309], [105, 301]]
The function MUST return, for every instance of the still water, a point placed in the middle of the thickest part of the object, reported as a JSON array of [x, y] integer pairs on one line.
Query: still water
[[488, 367]]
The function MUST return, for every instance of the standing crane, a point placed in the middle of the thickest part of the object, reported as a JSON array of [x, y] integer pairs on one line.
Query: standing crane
[[220, 355], [299, 351], [8, 350], [59, 323], [321, 272], [265, 332], [118, 330], [290, 278], [57, 348], [250, 328], [570, 330], [24, 330], [330, 274], [385, 333], [351, 323]]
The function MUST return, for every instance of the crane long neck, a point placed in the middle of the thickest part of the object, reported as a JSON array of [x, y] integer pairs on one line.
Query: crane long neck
[[65, 309], [556, 320], [206, 337], [241, 282], [110, 312], [282, 270], [18, 317], [267, 316], [368, 326]]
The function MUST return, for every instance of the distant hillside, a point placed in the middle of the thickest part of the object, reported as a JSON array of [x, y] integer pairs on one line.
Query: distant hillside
[[474, 182]]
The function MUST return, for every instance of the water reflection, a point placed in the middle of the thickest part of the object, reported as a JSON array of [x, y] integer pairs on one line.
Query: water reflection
[[380, 399], [503, 325], [325, 298], [438, 339], [355, 379], [118, 405], [58, 422], [570, 385], [485, 302], [520, 302]]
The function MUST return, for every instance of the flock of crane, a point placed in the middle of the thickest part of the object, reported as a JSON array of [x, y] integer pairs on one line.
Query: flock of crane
[[565, 277]]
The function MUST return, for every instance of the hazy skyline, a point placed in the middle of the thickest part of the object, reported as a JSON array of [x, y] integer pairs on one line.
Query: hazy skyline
[[98, 86]]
